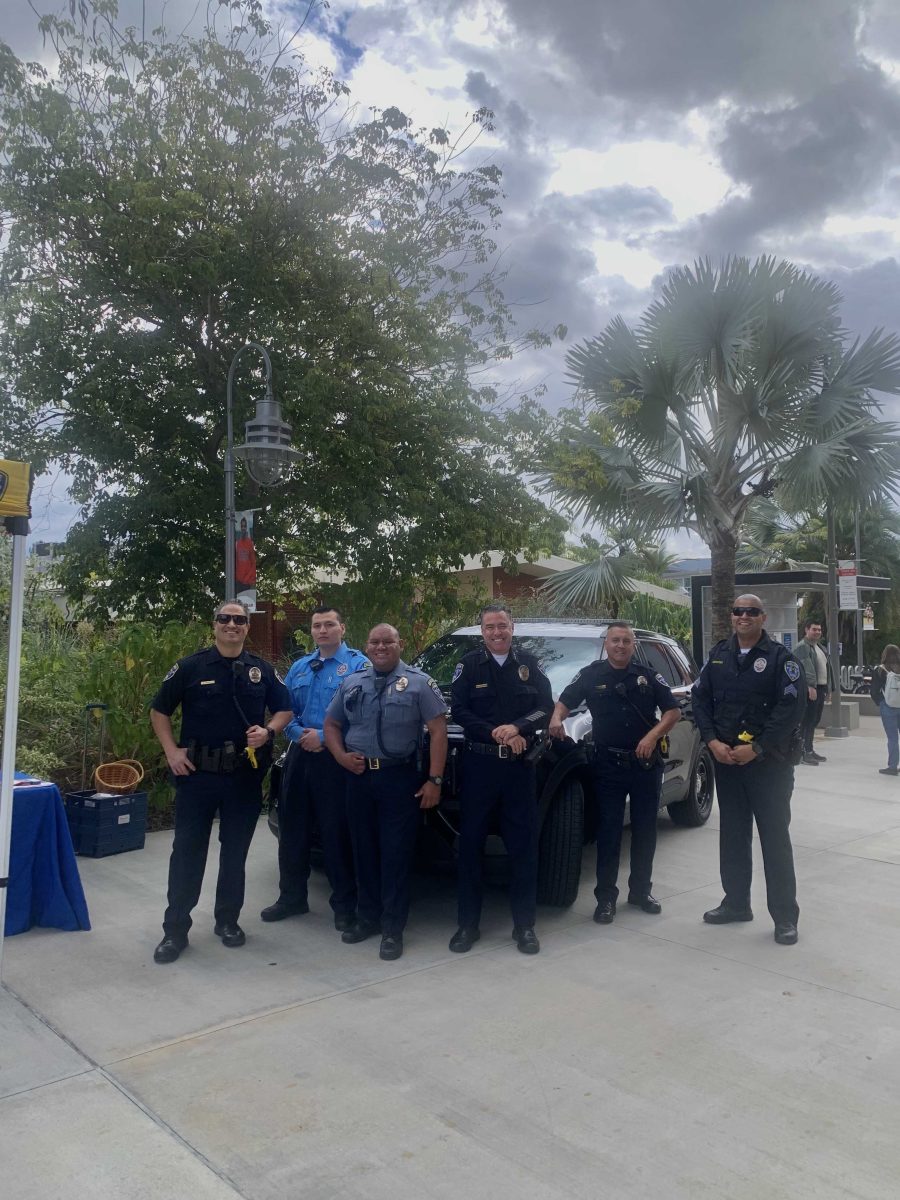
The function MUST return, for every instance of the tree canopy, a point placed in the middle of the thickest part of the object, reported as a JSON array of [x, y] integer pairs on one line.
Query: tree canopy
[[166, 201], [739, 382]]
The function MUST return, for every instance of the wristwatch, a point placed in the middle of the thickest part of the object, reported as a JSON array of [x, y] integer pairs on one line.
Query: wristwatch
[[757, 749], [438, 779], [271, 732]]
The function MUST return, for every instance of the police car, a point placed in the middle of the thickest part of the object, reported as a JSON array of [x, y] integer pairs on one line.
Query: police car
[[565, 795]]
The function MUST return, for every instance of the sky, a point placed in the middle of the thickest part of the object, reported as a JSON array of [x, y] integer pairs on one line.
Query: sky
[[634, 136]]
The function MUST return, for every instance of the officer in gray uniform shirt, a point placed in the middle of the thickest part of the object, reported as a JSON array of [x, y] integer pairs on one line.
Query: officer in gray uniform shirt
[[373, 728]]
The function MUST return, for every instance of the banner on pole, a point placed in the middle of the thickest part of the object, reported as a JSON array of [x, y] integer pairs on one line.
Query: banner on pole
[[848, 597], [15, 488], [245, 558]]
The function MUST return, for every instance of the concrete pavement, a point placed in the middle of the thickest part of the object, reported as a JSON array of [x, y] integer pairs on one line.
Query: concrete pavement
[[656, 1057]]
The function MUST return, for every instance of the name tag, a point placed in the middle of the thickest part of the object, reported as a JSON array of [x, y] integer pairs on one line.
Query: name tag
[[206, 682], [480, 685]]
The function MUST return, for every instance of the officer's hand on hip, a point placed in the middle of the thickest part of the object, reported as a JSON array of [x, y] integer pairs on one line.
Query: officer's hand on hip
[[811, 693], [257, 736], [351, 761], [179, 763], [742, 755], [309, 740], [503, 733], [722, 752], [430, 794], [645, 747]]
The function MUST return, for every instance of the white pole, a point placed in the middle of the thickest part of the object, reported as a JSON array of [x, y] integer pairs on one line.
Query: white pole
[[11, 719]]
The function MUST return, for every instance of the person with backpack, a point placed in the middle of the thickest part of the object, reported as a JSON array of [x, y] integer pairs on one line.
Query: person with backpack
[[885, 691]]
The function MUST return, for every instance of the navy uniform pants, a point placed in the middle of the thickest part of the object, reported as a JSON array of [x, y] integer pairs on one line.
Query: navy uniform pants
[[507, 788], [384, 815], [314, 787], [237, 799], [614, 781], [760, 791]]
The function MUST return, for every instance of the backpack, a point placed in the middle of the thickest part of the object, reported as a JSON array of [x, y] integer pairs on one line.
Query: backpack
[[892, 689]]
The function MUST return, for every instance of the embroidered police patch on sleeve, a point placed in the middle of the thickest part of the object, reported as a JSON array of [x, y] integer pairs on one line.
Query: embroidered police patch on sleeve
[[659, 679], [171, 673], [792, 670], [278, 677], [457, 672], [434, 687]]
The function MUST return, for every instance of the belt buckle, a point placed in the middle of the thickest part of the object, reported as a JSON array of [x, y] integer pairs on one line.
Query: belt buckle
[[503, 751], [374, 764]]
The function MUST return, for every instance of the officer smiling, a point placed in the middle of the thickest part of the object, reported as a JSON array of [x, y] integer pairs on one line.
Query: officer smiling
[[748, 704], [373, 727]]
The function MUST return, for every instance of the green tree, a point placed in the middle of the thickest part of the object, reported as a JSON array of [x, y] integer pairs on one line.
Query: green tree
[[737, 382], [165, 201]]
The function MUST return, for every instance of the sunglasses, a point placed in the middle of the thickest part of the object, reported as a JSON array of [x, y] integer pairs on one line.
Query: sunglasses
[[740, 611], [225, 618]]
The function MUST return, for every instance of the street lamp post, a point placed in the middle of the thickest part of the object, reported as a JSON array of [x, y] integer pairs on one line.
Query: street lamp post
[[832, 616], [266, 453]]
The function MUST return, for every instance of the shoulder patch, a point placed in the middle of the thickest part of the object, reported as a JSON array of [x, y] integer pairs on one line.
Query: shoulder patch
[[172, 671], [434, 687], [659, 679], [456, 673], [792, 670], [278, 677]]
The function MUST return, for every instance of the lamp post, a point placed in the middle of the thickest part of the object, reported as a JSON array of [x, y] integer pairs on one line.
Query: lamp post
[[266, 453], [832, 616]]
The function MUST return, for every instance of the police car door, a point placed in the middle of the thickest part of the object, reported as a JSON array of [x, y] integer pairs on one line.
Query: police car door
[[677, 766]]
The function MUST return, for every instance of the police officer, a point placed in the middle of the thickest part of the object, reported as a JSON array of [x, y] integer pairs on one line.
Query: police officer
[[373, 727], [623, 698], [313, 784], [500, 697], [218, 763], [748, 704]]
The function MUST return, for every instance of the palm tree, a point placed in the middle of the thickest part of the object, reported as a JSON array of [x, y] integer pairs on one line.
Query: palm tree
[[737, 381]]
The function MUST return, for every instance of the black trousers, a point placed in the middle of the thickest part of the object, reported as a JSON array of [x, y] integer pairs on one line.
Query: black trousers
[[314, 786], [506, 787], [384, 814], [812, 715], [237, 799], [613, 783], [760, 791]]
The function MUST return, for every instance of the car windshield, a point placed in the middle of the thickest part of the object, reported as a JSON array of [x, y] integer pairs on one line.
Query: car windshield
[[561, 657]]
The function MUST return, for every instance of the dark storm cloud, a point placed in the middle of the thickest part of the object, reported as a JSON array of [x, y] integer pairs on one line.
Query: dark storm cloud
[[615, 212]]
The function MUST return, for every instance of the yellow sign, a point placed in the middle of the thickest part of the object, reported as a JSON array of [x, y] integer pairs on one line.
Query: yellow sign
[[15, 485]]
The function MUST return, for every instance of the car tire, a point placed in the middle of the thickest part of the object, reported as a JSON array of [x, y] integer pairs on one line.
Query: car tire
[[561, 847], [697, 806]]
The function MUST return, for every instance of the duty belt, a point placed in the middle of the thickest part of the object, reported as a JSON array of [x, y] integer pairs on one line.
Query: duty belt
[[376, 764], [490, 748], [613, 752], [217, 760]]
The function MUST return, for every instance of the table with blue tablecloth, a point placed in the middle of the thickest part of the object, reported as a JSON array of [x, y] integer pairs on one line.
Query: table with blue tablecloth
[[44, 884]]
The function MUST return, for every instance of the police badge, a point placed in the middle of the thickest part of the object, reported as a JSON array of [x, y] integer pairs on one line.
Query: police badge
[[759, 665], [524, 673], [402, 684], [342, 669], [254, 675]]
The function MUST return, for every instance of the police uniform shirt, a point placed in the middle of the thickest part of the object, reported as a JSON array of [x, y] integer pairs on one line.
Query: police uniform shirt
[[312, 682], [761, 693], [206, 685], [406, 698], [612, 696], [484, 695]]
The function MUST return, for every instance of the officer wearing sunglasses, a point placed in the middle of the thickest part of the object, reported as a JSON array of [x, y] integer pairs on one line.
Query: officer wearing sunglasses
[[218, 765], [748, 705]]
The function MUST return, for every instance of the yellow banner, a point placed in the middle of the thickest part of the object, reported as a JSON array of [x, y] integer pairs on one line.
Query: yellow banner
[[15, 480]]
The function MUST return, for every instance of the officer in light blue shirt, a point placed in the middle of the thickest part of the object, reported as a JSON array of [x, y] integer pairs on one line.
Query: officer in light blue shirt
[[313, 786]]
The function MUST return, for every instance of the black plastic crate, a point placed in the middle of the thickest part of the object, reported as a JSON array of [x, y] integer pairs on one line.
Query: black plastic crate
[[102, 825]]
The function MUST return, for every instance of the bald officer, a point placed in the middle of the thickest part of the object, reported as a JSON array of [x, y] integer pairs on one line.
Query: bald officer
[[373, 728]]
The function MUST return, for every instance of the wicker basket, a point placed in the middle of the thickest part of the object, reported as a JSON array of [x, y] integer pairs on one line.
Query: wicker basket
[[120, 777]]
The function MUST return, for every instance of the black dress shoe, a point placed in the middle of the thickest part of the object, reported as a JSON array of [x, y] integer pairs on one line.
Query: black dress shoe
[[358, 932], [344, 921], [648, 903], [231, 934], [810, 760], [284, 908], [888, 770], [526, 940], [786, 934], [169, 949], [605, 912], [723, 915], [464, 939], [820, 757], [391, 946]]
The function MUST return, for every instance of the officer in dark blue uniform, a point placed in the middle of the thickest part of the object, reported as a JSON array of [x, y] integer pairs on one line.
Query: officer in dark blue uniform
[[623, 698], [749, 703], [374, 728], [218, 763], [501, 698], [312, 783]]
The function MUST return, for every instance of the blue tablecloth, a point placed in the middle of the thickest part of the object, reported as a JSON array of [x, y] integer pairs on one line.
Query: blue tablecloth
[[44, 884]]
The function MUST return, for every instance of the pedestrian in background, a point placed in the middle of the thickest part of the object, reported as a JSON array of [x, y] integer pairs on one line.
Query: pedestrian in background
[[882, 690], [819, 685]]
